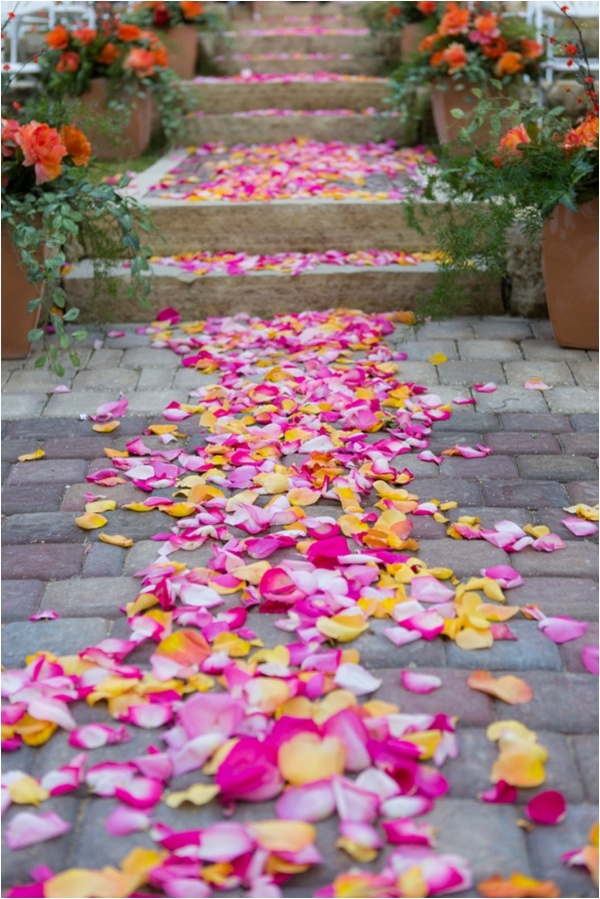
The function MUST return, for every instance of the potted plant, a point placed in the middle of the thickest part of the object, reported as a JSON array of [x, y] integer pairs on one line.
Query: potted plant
[[115, 71], [540, 174], [178, 24], [48, 204], [471, 47]]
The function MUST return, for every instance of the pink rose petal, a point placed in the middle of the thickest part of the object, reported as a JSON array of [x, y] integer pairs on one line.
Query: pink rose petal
[[415, 682], [579, 527], [123, 820], [490, 387], [547, 808], [28, 828], [501, 793], [562, 629], [589, 656]]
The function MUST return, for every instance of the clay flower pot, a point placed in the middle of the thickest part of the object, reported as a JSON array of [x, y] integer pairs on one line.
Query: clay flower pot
[[133, 139], [570, 266], [181, 42], [17, 292], [410, 38], [454, 97]]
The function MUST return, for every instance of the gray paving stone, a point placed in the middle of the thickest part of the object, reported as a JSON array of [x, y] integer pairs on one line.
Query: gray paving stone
[[535, 422], [571, 652], [103, 560], [38, 381], [488, 836], [585, 748], [465, 557], [546, 846], [464, 492], [542, 329], [580, 559], [91, 598], [75, 404], [419, 373], [20, 599], [63, 636], [583, 492], [377, 652], [145, 553], [74, 496], [502, 328], [41, 429], [125, 379], [510, 655], [52, 561], [575, 597], [137, 525], [580, 444], [511, 398], [422, 350], [547, 712], [572, 399], [469, 773], [42, 527], [468, 373], [21, 500], [490, 467], [548, 349], [22, 405], [417, 467], [489, 350], [556, 468], [146, 357], [155, 379], [152, 402], [552, 373], [105, 359], [519, 442], [585, 421], [530, 494], [489, 516], [585, 373], [451, 328], [44, 471], [553, 518]]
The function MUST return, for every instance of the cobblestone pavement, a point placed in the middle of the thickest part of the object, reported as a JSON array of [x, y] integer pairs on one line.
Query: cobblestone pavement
[[544, 458]]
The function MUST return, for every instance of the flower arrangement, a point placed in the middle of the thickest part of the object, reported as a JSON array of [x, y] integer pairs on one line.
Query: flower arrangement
[[538, 159], [134, 61], [473, 44], [49, 204], [167, 14]]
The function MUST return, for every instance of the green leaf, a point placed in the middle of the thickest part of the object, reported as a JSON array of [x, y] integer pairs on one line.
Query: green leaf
[[71, 315], [40, 362], [79, 335], [35, 334], [75, 360], [32, 305], [64, 341], [58, 369], [457, 114], [58, 298]]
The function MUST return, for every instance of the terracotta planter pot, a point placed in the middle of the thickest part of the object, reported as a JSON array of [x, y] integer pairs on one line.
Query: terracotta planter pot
[[17, 292], [133, 139], [570, 265], [181, 42], [410, 38], [443, 101]]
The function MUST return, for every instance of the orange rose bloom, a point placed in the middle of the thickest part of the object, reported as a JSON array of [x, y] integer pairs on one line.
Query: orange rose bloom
[[129, 33], [531, 49], [68, 62], [495, 48], [455, 20], [514, 138], [58, 38], [77, 144], [427, 8], [108, 55], [43, 149], [437, 59], [510, 63], [160, 55], [584, 135], [140, 62], [85, 35], [428, 43], [487, 25], [9, 131], [455, 56], [191, 9]]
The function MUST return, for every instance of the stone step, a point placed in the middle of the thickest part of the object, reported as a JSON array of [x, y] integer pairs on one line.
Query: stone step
[[301, 9], [281, 225], [216, 95], [264, 129], [371, 64], [258, 41], [384, 289]]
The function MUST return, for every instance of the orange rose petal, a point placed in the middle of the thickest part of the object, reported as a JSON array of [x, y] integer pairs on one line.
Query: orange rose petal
[[516, 887], [283, 836], [89, 521], [509, 689], [307, 757], [107, 427], [32, 457], [116, 540]]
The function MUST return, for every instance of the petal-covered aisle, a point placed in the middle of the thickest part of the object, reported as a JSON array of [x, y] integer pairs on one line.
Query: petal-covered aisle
[[315, 617]]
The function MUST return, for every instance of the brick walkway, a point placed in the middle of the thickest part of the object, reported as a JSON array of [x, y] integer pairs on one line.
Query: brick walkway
[[544, 458]]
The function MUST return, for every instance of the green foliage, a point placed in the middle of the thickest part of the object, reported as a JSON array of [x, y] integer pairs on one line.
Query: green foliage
[[60, 219]]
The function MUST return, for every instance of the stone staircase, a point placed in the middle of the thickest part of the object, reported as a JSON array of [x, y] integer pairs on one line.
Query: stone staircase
[[242, 109]]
